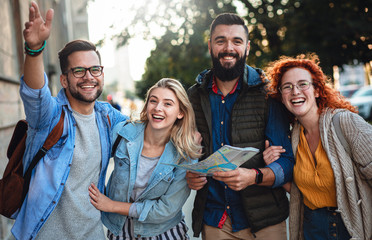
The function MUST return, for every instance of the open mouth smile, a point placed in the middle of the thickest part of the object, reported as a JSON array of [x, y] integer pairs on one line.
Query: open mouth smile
[[298, 101], [157, 117]]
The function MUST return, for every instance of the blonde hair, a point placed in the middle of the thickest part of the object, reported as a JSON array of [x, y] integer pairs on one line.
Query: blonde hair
[[182, 132]]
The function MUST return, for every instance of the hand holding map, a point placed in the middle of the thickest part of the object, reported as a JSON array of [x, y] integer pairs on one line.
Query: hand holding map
[[224, 159]]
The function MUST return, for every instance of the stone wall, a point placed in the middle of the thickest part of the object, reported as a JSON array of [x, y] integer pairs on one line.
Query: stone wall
[[13, 15]]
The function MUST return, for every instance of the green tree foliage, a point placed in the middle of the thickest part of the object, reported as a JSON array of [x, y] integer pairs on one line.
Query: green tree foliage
[[339, 31], [180, 61], [182, 51]]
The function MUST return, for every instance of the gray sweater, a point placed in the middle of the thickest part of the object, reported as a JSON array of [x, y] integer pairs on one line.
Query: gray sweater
[[353, 174]]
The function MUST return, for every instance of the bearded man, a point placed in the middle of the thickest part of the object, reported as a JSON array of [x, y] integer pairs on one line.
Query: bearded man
[[231, 107]]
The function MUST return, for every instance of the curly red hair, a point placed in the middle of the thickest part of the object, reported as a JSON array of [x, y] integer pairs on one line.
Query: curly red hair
[[328, 97]]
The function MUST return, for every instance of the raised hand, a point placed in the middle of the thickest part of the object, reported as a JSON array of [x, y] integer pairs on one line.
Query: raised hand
[[272, 153], [36, 29]]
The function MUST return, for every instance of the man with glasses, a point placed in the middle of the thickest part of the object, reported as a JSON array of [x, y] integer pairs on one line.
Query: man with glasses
[[57, 205]]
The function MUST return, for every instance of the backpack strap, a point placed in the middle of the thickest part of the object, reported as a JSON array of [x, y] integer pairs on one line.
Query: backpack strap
[[109, 121], [51, 140], [116, 143], [340, 135]]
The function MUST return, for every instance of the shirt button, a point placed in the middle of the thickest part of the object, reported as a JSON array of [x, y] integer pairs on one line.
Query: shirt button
[[335, 235], [159, 173], [228, 207], [334, 214], [221, 144], [221, 122], [349, 179], [334, 224], [62, 184], [223, 101], [225, 187]]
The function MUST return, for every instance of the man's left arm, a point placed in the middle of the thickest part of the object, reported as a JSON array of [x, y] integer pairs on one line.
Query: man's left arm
[[277, 132], [278, 172]]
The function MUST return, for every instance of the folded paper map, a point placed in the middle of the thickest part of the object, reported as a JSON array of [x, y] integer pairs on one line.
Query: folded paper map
[[224, 159]]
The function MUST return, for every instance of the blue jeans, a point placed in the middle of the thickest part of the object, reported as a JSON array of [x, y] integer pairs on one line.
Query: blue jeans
[[324, 223]]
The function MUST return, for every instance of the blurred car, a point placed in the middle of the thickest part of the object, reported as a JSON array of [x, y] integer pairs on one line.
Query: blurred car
[[362, 99], [348, 90]]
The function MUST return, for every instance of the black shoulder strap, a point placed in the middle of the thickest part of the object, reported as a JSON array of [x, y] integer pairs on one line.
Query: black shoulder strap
[[51, 140], [116, 143]]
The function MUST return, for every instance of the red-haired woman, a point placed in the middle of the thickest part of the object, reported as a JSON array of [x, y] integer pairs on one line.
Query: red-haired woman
[[330, 193]]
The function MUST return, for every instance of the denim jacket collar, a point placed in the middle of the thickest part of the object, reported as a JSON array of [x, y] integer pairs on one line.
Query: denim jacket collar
[[134, 134]]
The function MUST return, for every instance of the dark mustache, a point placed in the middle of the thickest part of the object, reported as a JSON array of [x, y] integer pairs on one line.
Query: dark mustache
[[221, 55], [87, 82]]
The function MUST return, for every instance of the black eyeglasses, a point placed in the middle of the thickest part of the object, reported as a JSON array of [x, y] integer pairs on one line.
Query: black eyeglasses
[[80, 72], [301, 85]]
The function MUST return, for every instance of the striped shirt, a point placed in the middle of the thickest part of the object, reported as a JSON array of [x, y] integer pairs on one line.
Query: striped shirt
[[178, 232]]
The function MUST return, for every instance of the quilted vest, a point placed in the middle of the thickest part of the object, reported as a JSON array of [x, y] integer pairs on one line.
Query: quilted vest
[[263, 206]]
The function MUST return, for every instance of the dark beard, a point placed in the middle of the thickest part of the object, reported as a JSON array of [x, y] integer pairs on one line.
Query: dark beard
[[78, 96], [228, 74]]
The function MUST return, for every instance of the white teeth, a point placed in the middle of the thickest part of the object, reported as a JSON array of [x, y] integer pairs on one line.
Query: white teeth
[[297, 101], [157, 117], [228, 57], [87, 86]]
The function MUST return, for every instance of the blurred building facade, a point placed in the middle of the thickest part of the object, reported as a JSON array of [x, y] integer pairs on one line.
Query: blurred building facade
[[70, 22]]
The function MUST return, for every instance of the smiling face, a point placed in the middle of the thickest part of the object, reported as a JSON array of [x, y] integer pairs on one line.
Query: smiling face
[[163, 109], [229, 48], [84, 90], [301, 103]]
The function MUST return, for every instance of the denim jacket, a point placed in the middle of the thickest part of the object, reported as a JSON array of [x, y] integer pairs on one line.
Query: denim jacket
[[160, 205], [50, 174]]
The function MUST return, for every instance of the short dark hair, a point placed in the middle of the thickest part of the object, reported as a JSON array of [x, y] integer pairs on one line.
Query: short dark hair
[[228, 19], [75, 46]]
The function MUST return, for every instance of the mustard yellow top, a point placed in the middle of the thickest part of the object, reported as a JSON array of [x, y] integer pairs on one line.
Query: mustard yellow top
[[315, 181]]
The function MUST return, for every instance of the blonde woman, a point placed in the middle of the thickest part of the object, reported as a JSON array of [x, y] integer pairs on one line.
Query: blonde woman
[[144, 194]]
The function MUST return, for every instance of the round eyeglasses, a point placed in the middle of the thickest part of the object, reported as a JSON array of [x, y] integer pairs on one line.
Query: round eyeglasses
[[80, 72], [301, 85]]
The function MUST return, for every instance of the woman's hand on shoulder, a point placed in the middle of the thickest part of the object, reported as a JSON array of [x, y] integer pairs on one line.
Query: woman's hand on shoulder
[[99, 200], [198, 137]]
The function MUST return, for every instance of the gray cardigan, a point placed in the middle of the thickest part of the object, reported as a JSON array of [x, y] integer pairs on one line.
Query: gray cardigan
[[353, 174]]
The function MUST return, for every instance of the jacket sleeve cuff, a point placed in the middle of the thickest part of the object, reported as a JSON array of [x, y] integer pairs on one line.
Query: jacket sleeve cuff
[[34, 93], [133, 211], [278, 172]]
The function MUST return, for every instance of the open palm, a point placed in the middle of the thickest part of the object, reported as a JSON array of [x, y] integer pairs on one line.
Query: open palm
[[36, 29]]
